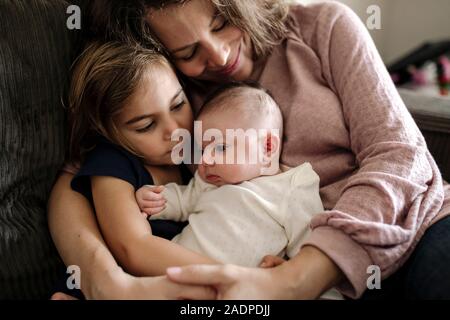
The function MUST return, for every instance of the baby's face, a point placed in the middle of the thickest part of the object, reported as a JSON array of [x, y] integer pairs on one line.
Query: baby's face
[[232, 158]]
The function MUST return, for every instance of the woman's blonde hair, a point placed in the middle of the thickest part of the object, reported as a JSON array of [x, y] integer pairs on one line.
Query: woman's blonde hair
[[105, 76], [263, 20]]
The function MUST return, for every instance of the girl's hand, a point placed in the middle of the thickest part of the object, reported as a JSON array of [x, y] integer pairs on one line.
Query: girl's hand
[[150, 200], [270, 261]]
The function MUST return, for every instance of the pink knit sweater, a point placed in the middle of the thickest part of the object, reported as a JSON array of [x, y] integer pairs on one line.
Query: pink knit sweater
[[380, 186]]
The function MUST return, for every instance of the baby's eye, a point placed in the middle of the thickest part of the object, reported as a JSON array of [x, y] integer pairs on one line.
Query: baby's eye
[[221, 147]]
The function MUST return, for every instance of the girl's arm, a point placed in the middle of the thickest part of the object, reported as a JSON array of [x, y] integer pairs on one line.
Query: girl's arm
[[79, 242], [128, 233]]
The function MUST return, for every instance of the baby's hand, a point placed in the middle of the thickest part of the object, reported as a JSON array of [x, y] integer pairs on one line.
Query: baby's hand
[[270, 261], [150, 200]]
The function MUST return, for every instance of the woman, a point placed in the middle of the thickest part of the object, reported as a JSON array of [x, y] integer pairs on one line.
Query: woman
[[380, 185]]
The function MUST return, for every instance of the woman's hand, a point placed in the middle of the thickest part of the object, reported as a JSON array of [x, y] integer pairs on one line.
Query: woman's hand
[[127, 287], [305, 276], [232, 282], [119, 285]]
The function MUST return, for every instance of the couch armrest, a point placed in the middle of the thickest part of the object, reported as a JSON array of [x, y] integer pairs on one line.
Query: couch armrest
[[432, 115]]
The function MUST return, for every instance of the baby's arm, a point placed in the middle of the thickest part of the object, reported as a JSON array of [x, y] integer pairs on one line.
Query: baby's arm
[[128, 233], [301, 204]]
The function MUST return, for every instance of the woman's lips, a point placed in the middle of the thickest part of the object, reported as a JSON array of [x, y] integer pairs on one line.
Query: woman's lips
[[229, 70]]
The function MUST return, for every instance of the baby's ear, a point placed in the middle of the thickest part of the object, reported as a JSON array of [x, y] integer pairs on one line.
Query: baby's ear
[[271, 145]]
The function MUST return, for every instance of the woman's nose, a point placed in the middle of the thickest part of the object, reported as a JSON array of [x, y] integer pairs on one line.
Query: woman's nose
[[218, 54]]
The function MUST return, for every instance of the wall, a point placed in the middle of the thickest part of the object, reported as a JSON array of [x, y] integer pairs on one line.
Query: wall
[[411, 22], [405, 24]]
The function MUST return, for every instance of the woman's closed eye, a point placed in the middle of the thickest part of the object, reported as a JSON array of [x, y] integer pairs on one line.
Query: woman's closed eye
[[221, 26], [178, 106], [191, 55]]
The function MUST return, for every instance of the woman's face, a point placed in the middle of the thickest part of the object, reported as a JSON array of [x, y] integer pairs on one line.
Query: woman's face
[[157, 108], [203, 45]]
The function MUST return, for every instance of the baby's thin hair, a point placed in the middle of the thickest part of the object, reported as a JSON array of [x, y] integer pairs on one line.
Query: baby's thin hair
[[262, 103]]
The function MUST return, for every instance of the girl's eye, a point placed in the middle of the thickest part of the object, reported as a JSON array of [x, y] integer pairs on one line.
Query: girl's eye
[[178, 106], [147, 128], [221, 26]]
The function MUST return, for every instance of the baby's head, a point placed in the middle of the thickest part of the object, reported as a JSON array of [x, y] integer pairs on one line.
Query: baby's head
[[129, 95], [241, 128]]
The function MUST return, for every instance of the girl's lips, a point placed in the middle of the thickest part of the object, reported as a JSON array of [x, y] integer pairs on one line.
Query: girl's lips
[[229, 70]]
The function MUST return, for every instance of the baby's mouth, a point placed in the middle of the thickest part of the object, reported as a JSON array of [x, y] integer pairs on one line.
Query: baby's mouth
[[212, 178]]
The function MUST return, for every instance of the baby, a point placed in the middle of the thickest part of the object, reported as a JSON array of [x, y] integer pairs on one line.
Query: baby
[[240, 211]]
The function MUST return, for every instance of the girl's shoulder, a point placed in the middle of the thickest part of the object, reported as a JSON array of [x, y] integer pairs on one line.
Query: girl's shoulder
[[108, 159]]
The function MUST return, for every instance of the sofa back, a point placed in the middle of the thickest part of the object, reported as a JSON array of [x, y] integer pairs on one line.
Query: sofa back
[[36, 53]]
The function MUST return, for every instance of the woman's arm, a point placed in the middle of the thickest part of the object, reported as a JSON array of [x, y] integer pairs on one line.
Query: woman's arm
[[397, 189], [128, 233], [77, 237]]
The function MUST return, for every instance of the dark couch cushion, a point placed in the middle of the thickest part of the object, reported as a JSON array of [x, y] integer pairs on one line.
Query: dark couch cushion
[[36, 52]]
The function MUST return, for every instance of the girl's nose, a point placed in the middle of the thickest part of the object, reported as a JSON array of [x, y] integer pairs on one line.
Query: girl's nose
[[170, 127]]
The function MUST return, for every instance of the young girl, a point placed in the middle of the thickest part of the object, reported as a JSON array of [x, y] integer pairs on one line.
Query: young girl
[[125, 102]]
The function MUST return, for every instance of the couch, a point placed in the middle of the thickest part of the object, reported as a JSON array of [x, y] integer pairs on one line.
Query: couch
[[36, 53]]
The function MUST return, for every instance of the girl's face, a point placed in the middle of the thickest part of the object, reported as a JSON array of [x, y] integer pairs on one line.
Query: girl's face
[[157, 108], [203, 45]]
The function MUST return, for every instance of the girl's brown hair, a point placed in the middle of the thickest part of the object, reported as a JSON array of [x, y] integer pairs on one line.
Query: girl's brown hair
[[263, 20], [104, 78]]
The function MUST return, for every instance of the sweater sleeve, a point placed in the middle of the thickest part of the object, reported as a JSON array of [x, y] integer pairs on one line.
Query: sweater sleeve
[[398, 187]]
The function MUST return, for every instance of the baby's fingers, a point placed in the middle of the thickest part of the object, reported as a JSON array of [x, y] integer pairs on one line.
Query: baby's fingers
[[152, 204], [270, 261], [153, 211], [152, 196], [157, 189]]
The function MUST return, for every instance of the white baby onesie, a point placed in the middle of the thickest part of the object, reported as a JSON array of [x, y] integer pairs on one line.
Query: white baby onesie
[[242, 223]]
